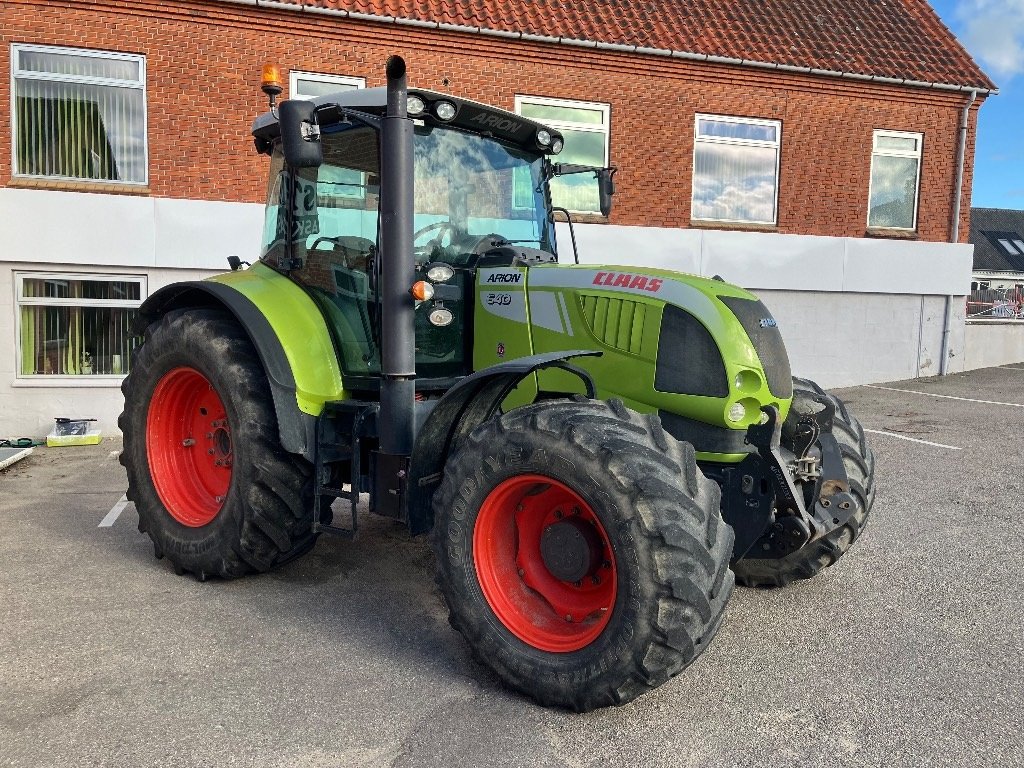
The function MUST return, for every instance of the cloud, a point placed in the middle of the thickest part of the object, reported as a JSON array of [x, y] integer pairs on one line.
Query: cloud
[[993, 31]]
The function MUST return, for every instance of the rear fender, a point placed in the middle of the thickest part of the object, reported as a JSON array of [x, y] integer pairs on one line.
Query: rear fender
[[284, 346], [463, 408]]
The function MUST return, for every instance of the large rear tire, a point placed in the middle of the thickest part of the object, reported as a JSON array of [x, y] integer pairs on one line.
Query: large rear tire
[[213, 488], [580, 551], [859, 461]]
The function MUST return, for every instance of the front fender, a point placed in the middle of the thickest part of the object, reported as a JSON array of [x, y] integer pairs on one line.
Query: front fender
[[464, 407]]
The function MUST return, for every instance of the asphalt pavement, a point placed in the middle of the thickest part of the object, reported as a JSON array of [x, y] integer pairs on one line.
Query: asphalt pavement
[[906, 653]]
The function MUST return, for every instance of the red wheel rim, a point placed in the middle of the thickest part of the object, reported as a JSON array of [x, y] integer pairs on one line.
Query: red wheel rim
[[535, 605], [188, 443]]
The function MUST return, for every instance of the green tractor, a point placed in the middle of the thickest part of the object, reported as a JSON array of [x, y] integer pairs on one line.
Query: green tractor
[[598, 451]]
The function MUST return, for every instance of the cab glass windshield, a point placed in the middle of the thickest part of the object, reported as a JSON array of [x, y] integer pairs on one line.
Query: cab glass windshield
[[472, 194]]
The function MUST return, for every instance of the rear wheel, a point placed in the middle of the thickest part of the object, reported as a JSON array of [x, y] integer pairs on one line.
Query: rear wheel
[[859, 461], [581, 552], [213, 488]]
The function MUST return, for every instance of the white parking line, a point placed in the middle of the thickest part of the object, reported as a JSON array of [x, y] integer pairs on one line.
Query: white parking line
[[912, 439], [1010, 368], [946, 397], [114, 513]]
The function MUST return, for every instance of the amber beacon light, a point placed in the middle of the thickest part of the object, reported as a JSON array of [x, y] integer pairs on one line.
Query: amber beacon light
[[270, 83]]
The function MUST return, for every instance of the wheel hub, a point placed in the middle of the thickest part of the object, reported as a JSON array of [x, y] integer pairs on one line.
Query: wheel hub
[[544, 563], [188, 445], [571, 549]]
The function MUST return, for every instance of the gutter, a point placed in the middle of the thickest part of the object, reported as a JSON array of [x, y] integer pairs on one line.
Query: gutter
[[954, 237], [596, 45]]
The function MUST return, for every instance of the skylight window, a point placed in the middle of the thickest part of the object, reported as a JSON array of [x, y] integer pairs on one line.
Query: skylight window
[[1020, 245], [1010, 249]]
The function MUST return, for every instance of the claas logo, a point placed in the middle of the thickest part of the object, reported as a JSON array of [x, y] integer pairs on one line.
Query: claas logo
[[624, 280]]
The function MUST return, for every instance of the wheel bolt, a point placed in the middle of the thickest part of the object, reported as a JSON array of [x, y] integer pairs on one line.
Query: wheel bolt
[[826, 503], [519, 508], [845, 505], [568, 617], [606, 564], [522, 572], [577, 584], [188, 441], [595, 580], [210, 451], [558, 514], [220, 499]]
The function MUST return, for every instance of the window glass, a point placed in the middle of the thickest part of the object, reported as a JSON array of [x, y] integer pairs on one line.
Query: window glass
[[585, 129], [75, 325], [735, 169], [895, 174], [79, 114], [309, 85], [1009, 247], [563, 113]]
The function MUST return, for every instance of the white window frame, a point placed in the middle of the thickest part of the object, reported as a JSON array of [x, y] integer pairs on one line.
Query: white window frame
[[140, 84], [320, 77], [917, 154], [605, 126], [776, 145], [64, 379]]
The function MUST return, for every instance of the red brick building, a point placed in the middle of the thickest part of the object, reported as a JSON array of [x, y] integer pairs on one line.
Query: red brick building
[[808, 150]]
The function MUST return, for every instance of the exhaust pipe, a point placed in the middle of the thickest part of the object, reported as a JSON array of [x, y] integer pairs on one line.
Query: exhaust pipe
[[398, 271]]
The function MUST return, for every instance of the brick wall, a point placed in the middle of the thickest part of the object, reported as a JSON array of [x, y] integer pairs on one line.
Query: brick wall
[[203, 69]]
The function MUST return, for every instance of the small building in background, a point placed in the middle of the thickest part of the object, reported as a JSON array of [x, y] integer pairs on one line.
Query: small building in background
[[818, 153]]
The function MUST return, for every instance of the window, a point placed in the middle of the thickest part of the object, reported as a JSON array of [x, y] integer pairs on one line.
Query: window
[[309, 85], [76, 325], [79, 114], [895, 176], [736, 169], [1010, 249], [584, 126]]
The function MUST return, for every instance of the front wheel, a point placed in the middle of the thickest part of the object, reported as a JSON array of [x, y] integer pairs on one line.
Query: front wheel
[[580, 552], [213, 488], [859, 461]]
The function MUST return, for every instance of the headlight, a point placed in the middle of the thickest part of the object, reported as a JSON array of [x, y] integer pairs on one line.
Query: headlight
[[440, 273], [444, 110], [556, 146], [737, 412], [415, 106], [441, 316], [544, 138]]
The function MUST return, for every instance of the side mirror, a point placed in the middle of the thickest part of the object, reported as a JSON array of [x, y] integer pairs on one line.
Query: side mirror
[[606, 188], [300, 137]]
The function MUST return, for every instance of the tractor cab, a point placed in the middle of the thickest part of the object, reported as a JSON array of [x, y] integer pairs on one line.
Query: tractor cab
[[480, 200]]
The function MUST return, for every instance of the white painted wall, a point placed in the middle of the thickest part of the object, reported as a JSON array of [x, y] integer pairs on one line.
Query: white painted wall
[[994, 342], [28, 406], [851, 310]]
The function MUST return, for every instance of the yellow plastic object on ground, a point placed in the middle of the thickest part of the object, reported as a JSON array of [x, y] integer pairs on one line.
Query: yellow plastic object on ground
[[92, 437]]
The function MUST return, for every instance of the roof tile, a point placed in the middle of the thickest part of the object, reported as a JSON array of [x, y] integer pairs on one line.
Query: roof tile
[[900, 39]]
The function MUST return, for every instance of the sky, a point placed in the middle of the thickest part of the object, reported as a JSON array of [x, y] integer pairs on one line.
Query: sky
[[993, 32]]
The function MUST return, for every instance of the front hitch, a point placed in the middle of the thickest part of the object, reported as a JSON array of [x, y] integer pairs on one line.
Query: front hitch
[[791, 525]]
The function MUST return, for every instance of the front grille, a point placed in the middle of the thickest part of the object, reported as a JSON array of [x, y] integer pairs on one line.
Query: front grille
[[689, 362], [764, 334]]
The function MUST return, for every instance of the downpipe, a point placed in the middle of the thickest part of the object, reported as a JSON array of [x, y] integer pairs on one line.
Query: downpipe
[[961, 153]]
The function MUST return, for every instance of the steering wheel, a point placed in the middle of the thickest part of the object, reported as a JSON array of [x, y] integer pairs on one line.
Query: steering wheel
[[443, 227]]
